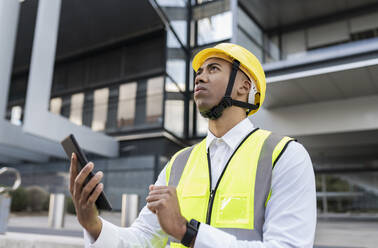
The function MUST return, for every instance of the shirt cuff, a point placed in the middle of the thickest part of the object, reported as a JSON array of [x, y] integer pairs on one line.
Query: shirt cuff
[[107, 237], [209, 237]]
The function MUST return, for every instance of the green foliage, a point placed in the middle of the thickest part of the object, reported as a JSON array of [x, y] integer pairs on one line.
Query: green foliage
[[19, 200], [38, 198]]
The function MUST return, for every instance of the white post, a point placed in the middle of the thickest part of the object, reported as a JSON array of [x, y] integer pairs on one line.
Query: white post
[[5, 202], [129, 209], [56, 211]]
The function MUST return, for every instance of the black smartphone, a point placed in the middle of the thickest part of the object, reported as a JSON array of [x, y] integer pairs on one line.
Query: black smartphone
[[70, 145]]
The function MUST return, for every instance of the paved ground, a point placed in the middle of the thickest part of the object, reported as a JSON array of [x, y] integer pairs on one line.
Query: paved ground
[[334, 233], [28, 240], [347, 233]]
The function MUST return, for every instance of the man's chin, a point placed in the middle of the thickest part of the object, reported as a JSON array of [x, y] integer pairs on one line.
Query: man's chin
[[204, 109]]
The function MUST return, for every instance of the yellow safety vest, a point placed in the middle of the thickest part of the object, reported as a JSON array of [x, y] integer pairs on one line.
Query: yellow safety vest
[[237, 204]]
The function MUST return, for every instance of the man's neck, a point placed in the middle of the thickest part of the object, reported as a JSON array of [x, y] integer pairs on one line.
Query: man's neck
[[230, 118]]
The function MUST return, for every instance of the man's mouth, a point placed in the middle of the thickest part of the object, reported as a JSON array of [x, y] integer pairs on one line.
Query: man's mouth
[[199, 88]]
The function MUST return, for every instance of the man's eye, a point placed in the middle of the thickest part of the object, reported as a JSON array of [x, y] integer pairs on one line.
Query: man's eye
[[213, 68]]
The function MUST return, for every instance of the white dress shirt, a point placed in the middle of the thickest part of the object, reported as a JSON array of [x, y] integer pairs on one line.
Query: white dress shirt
[[290, 215]]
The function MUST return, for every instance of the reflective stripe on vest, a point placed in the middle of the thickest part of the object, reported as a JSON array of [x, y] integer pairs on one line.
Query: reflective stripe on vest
[[243, 190]]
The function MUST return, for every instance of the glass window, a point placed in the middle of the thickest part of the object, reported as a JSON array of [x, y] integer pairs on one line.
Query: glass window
[[154, 101], [364, 23], [16, 115], [191, 76], [100, 109], [176, 62], [170, 86], [176, 69], [293, 44], [328, 34], [347, 192], [249, 44], [65, 109], [177, 13], [56, 105], [172, 3], [76, 112], [203, 1], [172, 41], [191, 117], [273, 49], [180, 28], [202, 124], [126, 104], [174, 116], [215, 28], [249, 26]]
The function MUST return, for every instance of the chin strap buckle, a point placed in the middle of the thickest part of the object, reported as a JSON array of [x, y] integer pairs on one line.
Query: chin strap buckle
[[226, 102], [217, 111]]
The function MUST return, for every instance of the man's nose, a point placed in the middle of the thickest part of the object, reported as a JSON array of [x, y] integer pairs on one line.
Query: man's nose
[[201, 78]]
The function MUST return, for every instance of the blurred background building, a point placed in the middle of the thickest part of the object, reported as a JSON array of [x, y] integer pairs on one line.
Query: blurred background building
[[117, 74]]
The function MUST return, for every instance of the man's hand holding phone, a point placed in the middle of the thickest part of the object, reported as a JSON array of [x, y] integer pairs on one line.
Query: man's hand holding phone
[[85, 196]]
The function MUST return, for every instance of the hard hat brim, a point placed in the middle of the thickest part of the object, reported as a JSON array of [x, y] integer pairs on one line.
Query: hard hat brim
[[207, 53], [203, 55]]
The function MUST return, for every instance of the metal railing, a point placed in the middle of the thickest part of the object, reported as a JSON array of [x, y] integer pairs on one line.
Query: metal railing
[[5, 199]]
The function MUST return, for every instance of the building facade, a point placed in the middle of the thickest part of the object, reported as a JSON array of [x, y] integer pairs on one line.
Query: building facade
[[117, 74]]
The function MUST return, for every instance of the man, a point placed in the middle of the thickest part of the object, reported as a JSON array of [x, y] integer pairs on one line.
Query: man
[[239, 187]]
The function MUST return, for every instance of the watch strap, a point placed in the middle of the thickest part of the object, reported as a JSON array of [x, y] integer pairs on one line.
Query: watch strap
[[191, 232]]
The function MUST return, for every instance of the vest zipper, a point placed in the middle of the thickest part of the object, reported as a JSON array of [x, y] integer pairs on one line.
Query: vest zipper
[[210, 206], [212, 192]]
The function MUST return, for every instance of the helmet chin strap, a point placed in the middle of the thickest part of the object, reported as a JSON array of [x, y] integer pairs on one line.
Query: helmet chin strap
[[217, 111]]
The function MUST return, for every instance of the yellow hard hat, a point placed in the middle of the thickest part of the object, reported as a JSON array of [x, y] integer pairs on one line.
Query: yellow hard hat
[[249, 64]]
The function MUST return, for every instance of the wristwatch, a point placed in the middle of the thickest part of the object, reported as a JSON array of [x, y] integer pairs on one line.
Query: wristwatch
[[191, 232]]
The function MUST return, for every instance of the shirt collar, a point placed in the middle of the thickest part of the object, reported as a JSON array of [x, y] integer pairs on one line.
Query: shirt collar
[[234, 136]]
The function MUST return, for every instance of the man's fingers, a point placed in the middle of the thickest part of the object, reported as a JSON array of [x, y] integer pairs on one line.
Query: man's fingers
[[154, 187], [91, 185], [73, 172], [159, 192], [152, 198], [81, 178], [154, 206], [92, 199]]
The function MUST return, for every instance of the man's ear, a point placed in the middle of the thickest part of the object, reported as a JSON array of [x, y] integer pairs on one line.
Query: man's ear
[[243, 88]]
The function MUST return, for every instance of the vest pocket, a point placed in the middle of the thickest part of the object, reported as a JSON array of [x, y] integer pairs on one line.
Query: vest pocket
[[233, 210], [176, 245], [193, 201]]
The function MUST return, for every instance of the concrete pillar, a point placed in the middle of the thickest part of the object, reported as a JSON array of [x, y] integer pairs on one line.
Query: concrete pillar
[[129, 209], [43, 57], [9, 12]]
